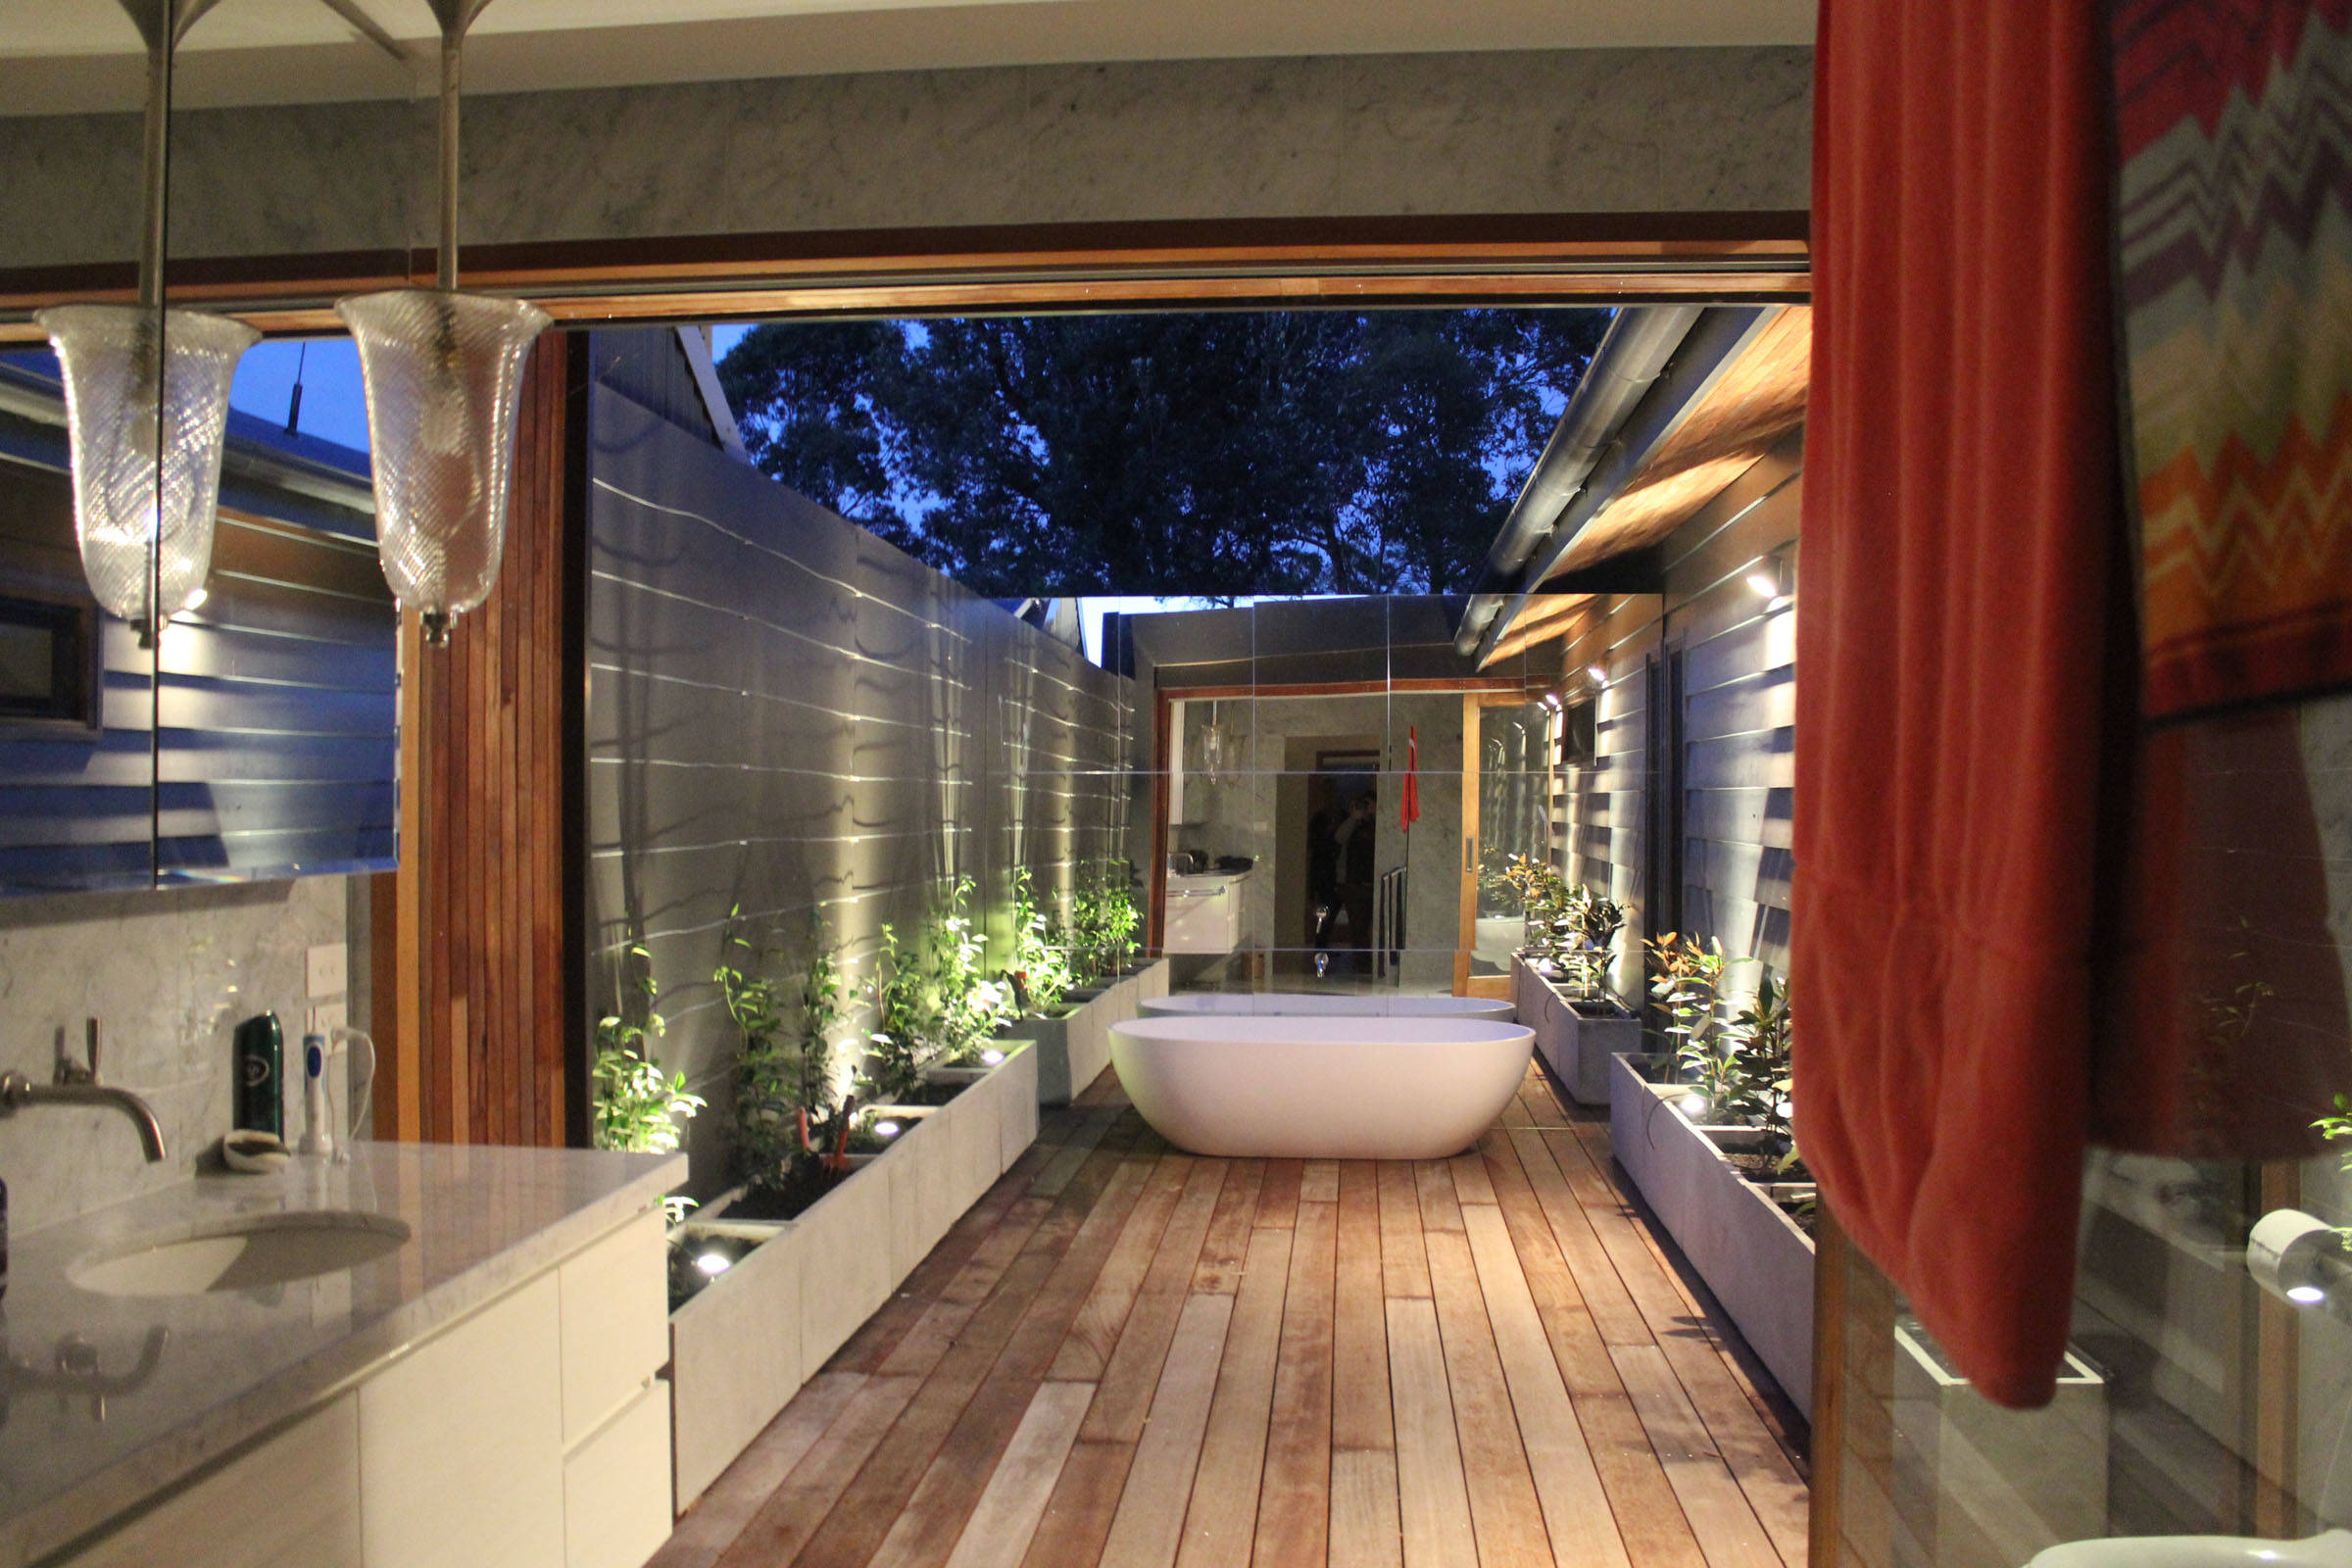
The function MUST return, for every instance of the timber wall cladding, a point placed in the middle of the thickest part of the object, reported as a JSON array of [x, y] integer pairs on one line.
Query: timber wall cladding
[[1736, 759], [788, 716], [482, 1059]]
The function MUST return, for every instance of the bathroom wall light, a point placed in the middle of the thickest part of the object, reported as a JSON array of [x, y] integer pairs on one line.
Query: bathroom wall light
[[2296, 1255], [443, 372]]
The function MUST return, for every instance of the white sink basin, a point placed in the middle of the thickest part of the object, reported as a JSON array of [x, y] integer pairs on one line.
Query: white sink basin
[[243, 1254]]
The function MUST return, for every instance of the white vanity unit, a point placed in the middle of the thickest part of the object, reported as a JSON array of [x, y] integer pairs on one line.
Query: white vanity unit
[[481, 1389], [1203, 913]]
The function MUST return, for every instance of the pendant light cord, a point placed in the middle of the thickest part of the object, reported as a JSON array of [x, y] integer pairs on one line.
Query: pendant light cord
[[152, 300]]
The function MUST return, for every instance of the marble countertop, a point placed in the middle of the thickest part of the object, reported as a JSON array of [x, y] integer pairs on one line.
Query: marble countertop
[[155, 1388]]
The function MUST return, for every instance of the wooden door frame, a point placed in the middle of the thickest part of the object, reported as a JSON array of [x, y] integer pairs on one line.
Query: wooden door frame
[[1466, 984], [1226, 264]]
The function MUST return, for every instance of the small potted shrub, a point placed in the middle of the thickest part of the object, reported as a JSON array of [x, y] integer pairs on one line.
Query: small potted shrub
[[1560, 983], [1100, 943]]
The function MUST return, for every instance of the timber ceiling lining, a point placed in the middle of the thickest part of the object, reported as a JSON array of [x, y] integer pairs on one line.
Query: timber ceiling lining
[[1759, 399]]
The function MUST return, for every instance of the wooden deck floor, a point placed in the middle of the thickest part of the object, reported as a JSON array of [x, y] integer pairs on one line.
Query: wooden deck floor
[[1130, 1356]]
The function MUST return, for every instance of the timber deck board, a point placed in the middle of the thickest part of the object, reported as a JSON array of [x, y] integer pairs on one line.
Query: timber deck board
[[1124, 1355]]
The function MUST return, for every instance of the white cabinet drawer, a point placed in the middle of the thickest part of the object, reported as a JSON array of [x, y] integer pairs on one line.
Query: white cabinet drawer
[[462, 1445], [616, 1487], [616, 1309], [288, 1502]]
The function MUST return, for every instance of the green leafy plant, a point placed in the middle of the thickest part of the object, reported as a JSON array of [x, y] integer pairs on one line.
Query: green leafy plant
[[1593, 921], [637, 1108], [896, 1053], [1544, 898], [1757, 1075], [766, 1074], [1104, 920], [966, 1005], [2338, 1129], [1040, 971], [1686, 985], [822, 988]]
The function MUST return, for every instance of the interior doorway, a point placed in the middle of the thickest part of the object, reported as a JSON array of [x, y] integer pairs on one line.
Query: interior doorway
[[1342, 830]]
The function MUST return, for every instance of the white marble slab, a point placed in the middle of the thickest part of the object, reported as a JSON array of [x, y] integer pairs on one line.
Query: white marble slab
[[229, 1366]]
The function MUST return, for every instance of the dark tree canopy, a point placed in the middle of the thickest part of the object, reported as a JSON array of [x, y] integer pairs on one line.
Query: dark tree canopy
[[1300, 452]]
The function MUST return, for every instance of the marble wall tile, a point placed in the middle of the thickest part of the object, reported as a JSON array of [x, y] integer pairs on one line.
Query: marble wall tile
[[168, 974], [1553, 131], [69, 190], [624, 162], [302, 178], [1734, 127], [935, 148], [1510, 133], [1167, 139]]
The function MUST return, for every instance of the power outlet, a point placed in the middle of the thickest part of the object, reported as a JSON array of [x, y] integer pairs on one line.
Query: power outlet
[[326, 1018], [329, 969]]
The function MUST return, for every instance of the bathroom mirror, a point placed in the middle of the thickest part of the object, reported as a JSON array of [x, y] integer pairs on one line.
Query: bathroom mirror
[[254, 738], [77, 763]]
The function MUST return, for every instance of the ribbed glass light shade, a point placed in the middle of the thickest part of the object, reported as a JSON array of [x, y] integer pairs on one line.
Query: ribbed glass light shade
[[444, 374], [126, 502]]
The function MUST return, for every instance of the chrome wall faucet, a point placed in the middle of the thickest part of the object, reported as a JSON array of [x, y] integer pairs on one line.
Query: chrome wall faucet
[[76, 1084]]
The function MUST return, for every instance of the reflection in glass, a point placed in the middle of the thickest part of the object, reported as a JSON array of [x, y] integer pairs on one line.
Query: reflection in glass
[[1514, 817]]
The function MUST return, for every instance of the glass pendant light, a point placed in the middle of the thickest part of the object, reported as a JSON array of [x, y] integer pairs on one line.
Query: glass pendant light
[[147, 397], [443, 372], [146, 447]]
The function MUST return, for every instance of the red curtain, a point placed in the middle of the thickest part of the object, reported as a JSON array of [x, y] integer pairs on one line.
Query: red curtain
[[1963, 585]]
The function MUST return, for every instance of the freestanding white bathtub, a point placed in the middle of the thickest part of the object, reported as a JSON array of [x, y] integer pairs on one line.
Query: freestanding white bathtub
[[1320, 1087], [1323, 1004]]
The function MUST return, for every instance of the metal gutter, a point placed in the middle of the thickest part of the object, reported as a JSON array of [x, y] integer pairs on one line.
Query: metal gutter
[[1635, 351], [695, 342], [1710, 347]]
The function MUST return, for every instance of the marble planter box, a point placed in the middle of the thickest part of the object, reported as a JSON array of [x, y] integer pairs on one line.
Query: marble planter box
[[2009, 1482], [1573, 1043], [1752, 1255], [735, 1359], [744, 1344], [1073, 1049]]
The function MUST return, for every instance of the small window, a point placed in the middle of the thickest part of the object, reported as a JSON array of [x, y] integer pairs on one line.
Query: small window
[[48, 662], [1579, 743]]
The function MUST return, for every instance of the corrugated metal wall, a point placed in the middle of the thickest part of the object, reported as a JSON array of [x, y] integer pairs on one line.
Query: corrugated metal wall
[[278, 712], [789, 716], [1690, 790]]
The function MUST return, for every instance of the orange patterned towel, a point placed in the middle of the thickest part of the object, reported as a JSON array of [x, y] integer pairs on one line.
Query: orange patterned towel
[[2235, 225]]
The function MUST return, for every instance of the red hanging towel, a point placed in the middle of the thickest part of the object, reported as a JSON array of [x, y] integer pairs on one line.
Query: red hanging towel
[[1408, 811], [1958, 654]]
